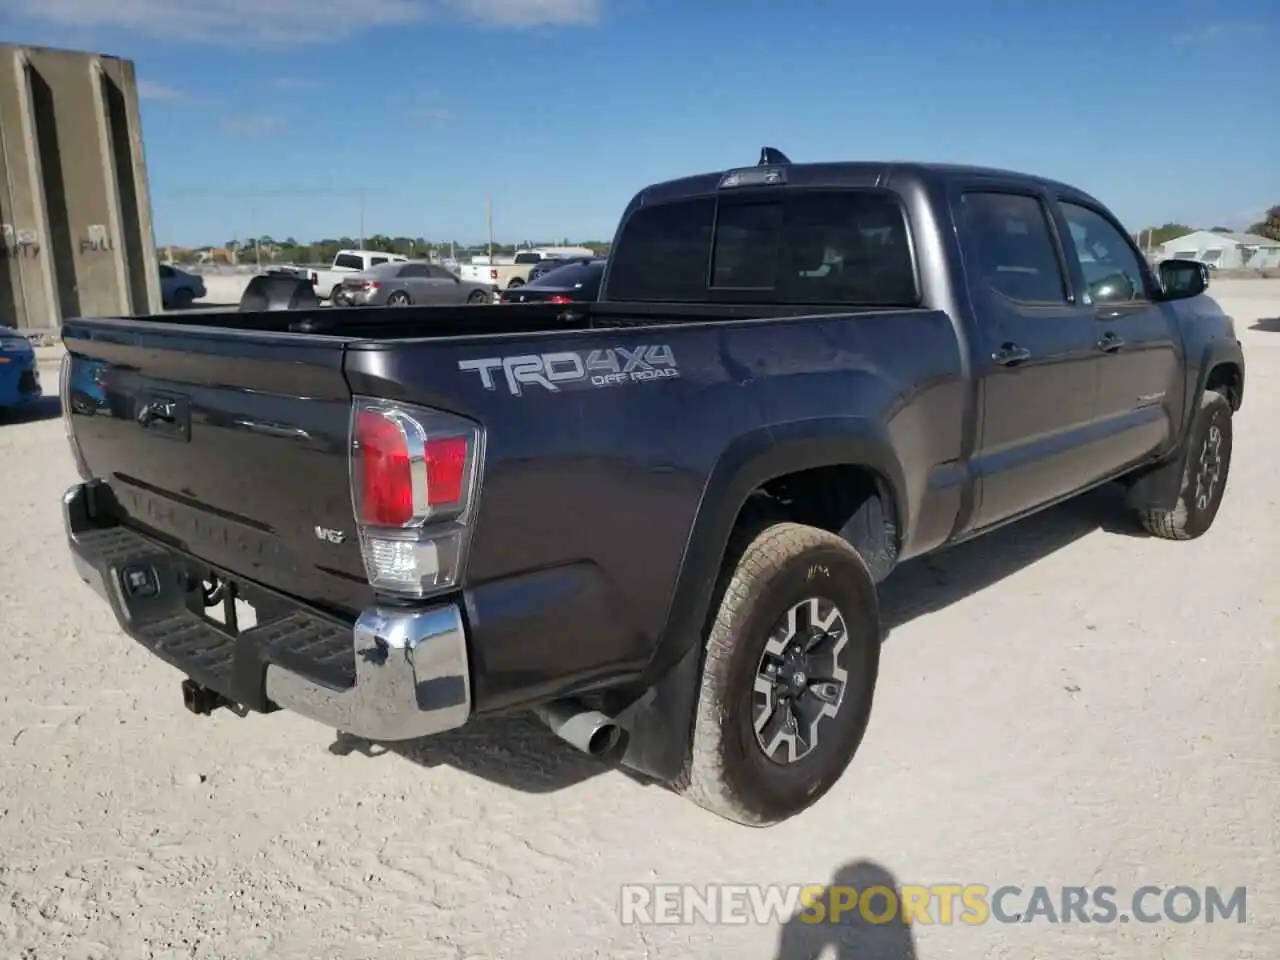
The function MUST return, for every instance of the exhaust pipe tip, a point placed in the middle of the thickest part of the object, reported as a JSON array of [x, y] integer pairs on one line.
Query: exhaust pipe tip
[[586, 730]]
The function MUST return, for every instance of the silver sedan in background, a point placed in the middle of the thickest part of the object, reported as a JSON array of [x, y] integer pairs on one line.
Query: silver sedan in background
[[408, 283]]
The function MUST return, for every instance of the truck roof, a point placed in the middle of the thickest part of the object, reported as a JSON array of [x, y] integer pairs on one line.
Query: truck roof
[[853, 173]]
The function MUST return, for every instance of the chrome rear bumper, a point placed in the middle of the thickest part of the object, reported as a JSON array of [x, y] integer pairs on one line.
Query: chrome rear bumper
[[395, 674]]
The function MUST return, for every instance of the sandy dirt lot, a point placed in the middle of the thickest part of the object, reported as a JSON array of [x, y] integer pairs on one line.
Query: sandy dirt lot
[[1064, 702]]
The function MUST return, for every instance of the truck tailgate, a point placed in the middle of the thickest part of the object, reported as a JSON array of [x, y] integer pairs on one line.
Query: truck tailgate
[[231, 445]]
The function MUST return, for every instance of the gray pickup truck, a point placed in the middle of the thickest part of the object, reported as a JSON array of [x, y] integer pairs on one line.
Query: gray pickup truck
[[659, 519]]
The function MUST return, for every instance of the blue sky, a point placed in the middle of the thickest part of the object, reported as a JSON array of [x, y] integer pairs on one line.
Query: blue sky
[[271, 116]]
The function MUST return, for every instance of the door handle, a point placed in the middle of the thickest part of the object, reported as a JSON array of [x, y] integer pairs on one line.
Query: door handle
[[1110, 343], [1010, 354]]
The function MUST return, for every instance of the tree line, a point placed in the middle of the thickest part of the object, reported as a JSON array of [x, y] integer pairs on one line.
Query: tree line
[[290, 250]]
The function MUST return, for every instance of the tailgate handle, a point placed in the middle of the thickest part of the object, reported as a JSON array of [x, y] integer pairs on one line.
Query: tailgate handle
[[165, 416], [165, 411]]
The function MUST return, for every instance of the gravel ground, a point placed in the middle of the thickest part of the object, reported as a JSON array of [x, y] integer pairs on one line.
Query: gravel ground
[[1063, 702]]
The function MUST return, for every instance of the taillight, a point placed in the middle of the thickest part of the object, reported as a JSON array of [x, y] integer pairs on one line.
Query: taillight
[[493, 274], [414, 474], [559, 298]]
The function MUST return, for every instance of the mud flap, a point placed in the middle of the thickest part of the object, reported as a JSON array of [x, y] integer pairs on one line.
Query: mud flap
[[1160, 487]]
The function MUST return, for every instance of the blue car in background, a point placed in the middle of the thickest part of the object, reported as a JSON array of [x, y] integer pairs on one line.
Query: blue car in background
[[19, 378]]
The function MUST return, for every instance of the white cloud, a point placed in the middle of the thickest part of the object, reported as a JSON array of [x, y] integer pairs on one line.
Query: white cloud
[[253, 126], [530, 13], [288, 22], [150, 90]]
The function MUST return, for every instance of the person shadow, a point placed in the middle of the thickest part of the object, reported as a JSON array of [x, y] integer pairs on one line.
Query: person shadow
[[851, 936]]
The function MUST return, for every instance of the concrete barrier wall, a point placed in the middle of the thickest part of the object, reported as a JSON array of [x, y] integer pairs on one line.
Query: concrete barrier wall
[[75, 209]]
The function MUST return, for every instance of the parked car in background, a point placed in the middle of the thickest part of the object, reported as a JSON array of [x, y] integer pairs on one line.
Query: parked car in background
[[179, 289], [409, 283], [19, 376], [347, 262], [574, 283], [543, 267]]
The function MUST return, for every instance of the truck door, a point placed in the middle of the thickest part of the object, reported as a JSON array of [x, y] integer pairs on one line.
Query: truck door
[[1038, 355], [1138, 376]]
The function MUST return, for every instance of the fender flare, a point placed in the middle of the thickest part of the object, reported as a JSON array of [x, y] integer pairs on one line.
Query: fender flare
[[659, 724]]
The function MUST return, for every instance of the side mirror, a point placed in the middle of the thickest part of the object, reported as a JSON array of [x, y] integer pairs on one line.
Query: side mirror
[[1113, 288], [1182, 279]]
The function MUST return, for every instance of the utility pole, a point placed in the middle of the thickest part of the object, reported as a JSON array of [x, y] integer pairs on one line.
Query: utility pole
[[361, 198], [488, 212]]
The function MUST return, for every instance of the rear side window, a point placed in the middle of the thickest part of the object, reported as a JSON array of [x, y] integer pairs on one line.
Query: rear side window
[[527, 258], [377, 261], [348, 260], [414, 270], [1008, 235], [802, 246]]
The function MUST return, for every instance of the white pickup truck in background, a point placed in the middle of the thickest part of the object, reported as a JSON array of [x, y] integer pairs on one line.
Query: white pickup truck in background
[[515, 271], [345, 263]]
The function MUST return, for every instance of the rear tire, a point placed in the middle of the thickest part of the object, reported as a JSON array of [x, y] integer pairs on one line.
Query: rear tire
[[515, 282], [478, 297], [183, 297], [398, 299], [333, 293], [755, 760], [1204, 478]]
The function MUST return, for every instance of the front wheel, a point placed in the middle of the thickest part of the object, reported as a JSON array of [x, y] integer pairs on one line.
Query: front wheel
[[1204, 478], [787, 683]]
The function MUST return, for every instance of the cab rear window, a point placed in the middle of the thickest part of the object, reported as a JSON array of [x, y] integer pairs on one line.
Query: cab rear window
[[794, 247]]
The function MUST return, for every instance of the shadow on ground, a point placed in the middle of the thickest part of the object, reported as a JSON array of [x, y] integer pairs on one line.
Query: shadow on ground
[[1269, 324], [46, 408], [518, 751], [850, 925], [934, 582]]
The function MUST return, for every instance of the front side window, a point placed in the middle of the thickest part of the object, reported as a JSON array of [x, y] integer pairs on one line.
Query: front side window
[[1112, 270]]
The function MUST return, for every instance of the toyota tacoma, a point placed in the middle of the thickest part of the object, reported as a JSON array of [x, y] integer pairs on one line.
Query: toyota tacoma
[[658, 520]]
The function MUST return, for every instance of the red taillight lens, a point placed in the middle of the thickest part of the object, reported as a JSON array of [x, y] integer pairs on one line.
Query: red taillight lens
[[446, 470], [493, 274], [559, 299], [386, 483], [414, 474]]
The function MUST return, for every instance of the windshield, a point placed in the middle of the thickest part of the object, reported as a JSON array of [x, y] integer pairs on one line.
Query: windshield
[[585, 276]]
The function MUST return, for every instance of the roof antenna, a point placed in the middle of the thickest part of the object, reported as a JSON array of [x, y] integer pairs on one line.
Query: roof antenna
[[772, 155]]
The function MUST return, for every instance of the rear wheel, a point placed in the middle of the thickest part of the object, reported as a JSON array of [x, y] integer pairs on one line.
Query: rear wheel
[[479, 296], [791, 664], [333, 293], [515, 282], [398, 299], [183, 297], [1204, 478]]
